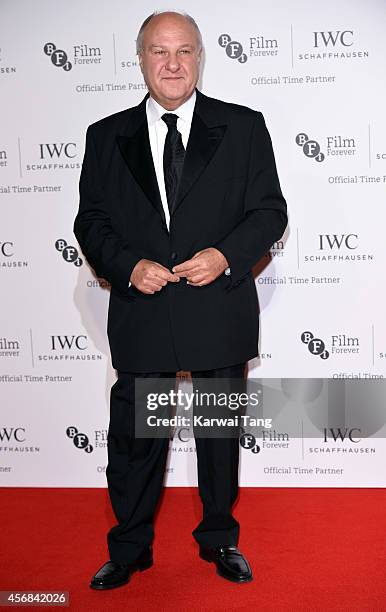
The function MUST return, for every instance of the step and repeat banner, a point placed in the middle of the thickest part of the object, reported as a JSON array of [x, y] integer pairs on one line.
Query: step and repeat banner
[[316, 71]]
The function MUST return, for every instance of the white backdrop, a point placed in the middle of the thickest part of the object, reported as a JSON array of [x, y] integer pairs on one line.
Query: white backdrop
[[316, 71]]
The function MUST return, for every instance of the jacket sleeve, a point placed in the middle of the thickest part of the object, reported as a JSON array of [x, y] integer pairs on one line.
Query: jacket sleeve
[[105, 250], [265, 210]]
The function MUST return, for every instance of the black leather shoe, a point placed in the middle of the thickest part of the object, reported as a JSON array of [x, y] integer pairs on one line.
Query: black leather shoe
[[113, 574], [230, 562]]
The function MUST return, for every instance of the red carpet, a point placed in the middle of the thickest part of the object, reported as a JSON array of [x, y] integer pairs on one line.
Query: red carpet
[[310, 550]]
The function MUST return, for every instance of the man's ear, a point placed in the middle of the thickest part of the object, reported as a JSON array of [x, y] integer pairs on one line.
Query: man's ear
[[140, 61]]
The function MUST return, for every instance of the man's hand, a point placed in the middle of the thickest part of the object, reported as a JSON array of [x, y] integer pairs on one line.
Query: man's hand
[[149, 276], [203, 268]]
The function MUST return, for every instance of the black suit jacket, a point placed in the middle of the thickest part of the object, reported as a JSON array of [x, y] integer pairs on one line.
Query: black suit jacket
[[229, 198]]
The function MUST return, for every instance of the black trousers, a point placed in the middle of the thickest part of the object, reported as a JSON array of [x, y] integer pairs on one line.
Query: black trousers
[[136, 468]]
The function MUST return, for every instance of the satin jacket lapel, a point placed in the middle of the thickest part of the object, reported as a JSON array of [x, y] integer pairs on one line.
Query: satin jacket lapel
[[134, 145], [203, 143]]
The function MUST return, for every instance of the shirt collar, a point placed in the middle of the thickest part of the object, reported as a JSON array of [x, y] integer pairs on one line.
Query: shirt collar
[[184, 112]]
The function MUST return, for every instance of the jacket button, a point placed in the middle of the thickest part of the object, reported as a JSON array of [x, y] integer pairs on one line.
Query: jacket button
[[173, 256]]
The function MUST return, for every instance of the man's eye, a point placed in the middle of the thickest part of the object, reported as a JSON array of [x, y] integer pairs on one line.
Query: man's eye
[[159, 52], [185, 51]]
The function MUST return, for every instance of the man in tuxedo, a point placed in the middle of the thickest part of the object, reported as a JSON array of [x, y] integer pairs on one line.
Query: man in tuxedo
[[179, 198]]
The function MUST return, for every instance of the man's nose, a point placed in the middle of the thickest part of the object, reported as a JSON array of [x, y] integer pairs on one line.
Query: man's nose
[[173, 63]]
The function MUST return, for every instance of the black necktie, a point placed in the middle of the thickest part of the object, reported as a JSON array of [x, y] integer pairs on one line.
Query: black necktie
[[174, 154]]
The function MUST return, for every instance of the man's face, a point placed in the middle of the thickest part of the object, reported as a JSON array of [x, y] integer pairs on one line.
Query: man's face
[[170, 59]]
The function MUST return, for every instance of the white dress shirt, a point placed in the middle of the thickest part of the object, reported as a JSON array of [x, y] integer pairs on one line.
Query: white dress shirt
[[157, 135]]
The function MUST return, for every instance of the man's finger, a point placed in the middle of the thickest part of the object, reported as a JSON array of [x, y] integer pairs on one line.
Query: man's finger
[[198, 284], [152, 287], [196, 278], [164, 274], [186, 266], [157, 280]]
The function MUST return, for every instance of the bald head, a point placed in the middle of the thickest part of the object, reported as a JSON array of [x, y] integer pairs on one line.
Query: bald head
[[167, 14]]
